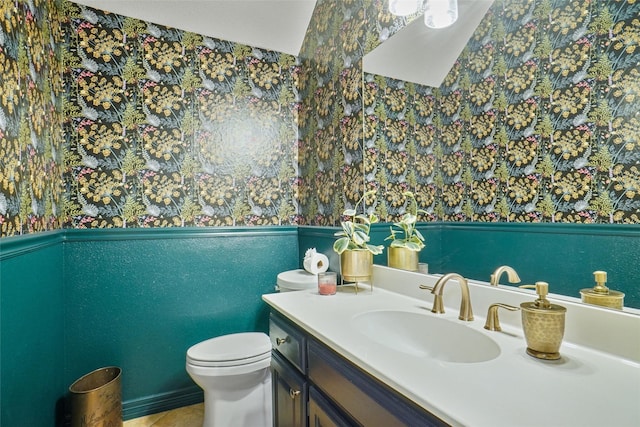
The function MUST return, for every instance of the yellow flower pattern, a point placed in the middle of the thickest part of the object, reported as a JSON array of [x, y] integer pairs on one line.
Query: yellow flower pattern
[[535, 121], [174, 129], [163, 56], [101, 44], [104, 127], [31, 117], [101, 92]]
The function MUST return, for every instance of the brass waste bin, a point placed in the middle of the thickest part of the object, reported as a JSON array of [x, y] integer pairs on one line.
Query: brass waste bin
[[96, 399]]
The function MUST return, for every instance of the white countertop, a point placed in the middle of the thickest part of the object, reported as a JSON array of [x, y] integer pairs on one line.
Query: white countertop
[[586, 387]]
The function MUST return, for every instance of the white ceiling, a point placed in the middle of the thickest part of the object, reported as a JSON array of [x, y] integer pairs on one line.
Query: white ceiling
[[415, 53], [278, 25], [423, 55]]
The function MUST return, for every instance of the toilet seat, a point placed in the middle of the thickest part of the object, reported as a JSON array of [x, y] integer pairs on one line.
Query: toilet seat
[[239, 349]]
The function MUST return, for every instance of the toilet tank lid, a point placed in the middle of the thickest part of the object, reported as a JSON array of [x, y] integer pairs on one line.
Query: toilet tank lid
[[238, 346], [297, 280]]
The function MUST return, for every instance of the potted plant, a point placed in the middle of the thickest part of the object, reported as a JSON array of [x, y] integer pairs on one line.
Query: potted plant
[[356, 253], [406, 239]]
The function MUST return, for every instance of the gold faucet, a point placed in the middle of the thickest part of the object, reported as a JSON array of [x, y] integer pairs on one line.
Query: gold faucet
[[466, 313], [511, 275], [493, 322]]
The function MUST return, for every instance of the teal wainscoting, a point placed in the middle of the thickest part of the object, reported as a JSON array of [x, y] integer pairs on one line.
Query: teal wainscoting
[[564, 255], [74, 301], [77, 300], [139, 299], [31, 330]]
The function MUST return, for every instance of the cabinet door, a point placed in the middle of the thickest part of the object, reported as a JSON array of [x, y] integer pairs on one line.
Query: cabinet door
[[360, 396], [289, 394], [323, 414]]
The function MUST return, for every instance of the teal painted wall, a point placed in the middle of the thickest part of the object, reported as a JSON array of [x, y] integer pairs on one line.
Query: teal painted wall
[[31, 330], [77, 300], [564, 255], [139, 299], [73, 301]]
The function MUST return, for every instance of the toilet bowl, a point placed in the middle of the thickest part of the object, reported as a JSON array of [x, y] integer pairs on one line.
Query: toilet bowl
[[233, 370]]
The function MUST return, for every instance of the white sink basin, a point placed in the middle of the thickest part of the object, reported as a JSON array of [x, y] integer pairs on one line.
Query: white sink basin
[[426, 336]]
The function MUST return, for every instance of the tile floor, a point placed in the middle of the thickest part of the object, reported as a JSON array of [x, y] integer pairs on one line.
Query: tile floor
[[188, 416]]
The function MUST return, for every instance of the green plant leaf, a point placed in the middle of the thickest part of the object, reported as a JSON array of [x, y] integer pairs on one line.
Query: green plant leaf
[[360, 238], [412, 246], [349, 227], [362, 227], [375, 249], [341, 245], [365, 219], [409, 218], [392, 234]]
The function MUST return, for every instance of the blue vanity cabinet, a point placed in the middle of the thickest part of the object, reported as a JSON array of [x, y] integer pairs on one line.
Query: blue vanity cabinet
[[359, 396], [335, 392], [323, 413], [288, 370], [289, 394]]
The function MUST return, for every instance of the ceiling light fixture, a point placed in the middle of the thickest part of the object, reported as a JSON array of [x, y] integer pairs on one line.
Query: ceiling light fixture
[[404, 7], [440, 13]]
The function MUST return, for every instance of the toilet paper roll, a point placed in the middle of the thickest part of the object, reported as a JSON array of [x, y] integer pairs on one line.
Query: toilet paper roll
[[316, 263]]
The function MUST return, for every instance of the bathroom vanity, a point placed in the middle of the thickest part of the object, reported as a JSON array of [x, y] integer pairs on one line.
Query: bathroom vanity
[[381, 357], [309, 376]]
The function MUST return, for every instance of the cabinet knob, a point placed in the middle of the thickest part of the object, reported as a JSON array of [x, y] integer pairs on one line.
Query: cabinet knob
[[280, 341], [293, 393]]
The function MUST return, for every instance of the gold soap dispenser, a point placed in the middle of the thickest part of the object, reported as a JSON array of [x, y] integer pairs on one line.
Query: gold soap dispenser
[[601, 295], [543, 324]]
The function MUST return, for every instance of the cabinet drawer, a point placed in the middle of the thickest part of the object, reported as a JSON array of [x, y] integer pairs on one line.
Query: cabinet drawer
[[288, 341]]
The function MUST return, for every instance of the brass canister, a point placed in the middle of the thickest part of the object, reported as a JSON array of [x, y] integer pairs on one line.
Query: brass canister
[[356, 265], [402, 258], [96, 399], [601, 294]]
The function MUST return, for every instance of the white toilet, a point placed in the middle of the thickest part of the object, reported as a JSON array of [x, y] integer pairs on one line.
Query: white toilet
[[233, 370]]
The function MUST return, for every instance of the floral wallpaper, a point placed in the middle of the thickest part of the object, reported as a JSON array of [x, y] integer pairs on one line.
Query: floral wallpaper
[[331, 156], [538, 121], [31, 94], [168, 128], [108, 121]]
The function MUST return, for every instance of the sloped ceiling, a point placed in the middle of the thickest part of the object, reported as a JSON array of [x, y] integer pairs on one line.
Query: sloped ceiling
[[415, 53], [278, 25], [423, 55]]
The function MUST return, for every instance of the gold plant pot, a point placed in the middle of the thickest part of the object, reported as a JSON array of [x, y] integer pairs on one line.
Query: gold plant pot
[[356, 265], [402, 258]]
